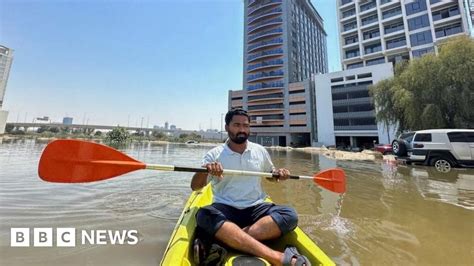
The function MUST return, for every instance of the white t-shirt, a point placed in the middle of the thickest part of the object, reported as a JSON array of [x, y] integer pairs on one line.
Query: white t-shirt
[[236, 190]]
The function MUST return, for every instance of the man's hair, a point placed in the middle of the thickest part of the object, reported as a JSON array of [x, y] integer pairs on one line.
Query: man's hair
[[235, 111]]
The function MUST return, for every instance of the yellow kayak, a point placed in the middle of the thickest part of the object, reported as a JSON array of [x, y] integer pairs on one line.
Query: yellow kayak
[[180, 252]]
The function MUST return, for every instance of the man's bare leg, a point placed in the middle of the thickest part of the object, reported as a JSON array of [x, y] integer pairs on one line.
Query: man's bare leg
[[236, 238], [264, 229]]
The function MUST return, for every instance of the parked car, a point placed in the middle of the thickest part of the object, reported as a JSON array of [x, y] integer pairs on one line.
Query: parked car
[[444, 148], [402, 146], [384, 148]]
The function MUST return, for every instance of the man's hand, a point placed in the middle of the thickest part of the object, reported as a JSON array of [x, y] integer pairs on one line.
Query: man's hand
[[215, 169], [283, 174]]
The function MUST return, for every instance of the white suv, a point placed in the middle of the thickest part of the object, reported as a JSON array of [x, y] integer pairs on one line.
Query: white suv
[[444, 148]]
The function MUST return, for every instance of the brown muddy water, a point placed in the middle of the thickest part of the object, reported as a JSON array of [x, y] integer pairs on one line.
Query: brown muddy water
[[390, 215]]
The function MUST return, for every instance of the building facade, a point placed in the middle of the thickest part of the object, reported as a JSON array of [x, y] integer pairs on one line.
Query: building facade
[[377, 31], [346, 112], [284, 45], [6, 59]]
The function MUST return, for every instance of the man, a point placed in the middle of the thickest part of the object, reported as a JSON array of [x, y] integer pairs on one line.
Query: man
[[238, 216]]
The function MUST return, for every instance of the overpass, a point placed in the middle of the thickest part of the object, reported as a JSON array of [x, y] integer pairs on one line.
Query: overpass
[[147, 131]]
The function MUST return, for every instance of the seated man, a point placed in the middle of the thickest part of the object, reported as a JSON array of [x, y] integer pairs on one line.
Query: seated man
[[238, 216]]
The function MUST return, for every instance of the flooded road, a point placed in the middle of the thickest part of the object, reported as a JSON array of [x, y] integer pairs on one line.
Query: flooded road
[[389, 215]]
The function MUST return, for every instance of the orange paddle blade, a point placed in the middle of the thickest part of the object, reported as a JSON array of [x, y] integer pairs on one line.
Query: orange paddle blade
[[75, 161], [333, 179]]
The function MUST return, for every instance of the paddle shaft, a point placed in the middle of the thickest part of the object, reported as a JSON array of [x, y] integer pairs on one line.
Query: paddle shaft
[[226, 171]]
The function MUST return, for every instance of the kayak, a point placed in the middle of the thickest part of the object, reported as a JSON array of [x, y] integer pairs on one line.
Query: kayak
[[179, 250]]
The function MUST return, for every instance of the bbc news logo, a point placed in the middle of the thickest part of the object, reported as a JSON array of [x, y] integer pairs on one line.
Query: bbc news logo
[[66, 237]]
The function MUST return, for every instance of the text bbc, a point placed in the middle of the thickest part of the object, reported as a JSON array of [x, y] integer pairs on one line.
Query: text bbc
[[66, 237]]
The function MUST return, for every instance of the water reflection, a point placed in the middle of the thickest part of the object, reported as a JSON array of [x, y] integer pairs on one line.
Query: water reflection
[[455, 187], [390, 214]]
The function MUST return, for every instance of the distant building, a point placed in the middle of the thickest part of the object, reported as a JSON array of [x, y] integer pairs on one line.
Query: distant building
[[346, 112], [284, 45], [172, 127], [6, 59], [166, 125], [67, 120], [374, 32]]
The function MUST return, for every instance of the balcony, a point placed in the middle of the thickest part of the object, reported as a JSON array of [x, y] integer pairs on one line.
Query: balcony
[[251, 2], [265, 97], [270, 85], [273, 107], [363, 114], [267, 4], [265, 23], [264, 54], [267, 33], [265, 75], [446, 13], [368, 6], [392, 13], [261, 15], [277, 41], [354, 101], [265, 64]]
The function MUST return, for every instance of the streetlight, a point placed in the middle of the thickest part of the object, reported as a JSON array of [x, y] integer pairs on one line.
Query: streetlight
[[222, 117]]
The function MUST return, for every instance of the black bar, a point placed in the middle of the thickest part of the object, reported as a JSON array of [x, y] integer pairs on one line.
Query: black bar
[[189, 169]]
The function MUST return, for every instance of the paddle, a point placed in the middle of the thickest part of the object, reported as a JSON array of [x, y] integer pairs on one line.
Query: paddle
[[76, 161]]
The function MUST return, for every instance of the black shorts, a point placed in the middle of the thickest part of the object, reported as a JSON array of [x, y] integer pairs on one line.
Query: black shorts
[[210, 218]]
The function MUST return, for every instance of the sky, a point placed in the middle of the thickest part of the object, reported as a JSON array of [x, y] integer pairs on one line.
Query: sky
[[129, 63]]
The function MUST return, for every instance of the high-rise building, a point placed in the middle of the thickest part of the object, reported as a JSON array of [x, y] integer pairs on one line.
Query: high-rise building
[[67, 120], [6, 58], [378, 31], [284, 45]]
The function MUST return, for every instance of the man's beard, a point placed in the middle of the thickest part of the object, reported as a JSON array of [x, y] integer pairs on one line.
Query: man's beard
[[239, 138]]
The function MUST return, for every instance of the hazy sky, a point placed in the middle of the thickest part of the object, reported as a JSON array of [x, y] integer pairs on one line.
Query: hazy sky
[[116, 62]]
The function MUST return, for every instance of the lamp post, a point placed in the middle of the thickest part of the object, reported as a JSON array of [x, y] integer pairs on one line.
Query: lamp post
[[222, 117]]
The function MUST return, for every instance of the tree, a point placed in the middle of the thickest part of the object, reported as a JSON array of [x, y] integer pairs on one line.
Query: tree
[[432, 91], [98, 133], [118, 135], [9, 128], [53, 130], [157, 134]]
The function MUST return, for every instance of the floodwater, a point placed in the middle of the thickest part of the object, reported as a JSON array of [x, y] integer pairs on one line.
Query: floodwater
[[390, 215]]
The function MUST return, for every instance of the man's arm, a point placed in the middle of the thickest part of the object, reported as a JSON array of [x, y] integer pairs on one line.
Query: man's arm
[[200, 179]]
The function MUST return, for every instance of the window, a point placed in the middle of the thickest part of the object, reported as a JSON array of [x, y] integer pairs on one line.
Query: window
[[457, 137], [397, 42], [421, 38], [373, 48], [418, 22], [415, 7], [348, 13], [446, 13], [371, 34], [355, 65], [448, 30], [352, 53], [469, 136], [394, 27], [337, 80], [375, 61], [365, 75], [351, 39], [369, 19], [423, 137], [392, 12], [421, 52]]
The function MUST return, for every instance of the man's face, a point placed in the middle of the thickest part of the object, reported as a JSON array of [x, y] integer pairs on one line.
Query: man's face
[[238, 129]]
